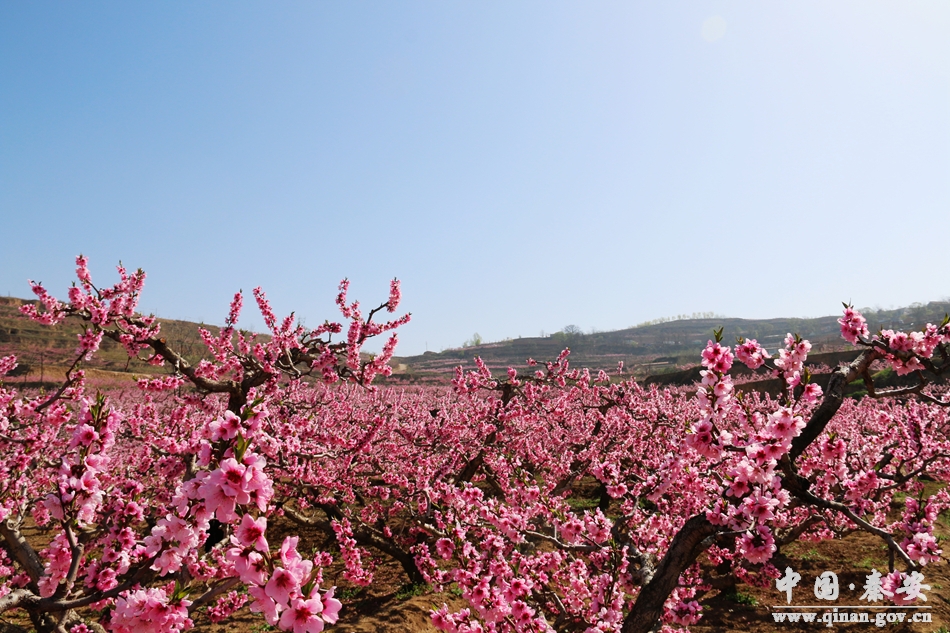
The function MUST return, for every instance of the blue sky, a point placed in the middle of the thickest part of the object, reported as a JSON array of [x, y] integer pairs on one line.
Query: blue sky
[[519, 166]]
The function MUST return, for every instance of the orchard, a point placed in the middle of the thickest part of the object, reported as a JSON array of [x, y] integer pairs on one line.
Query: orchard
[[157, 503]]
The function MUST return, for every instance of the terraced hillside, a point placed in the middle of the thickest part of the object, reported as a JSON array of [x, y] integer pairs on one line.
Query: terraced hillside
[[44, 352], [656, 349], [651, 350]]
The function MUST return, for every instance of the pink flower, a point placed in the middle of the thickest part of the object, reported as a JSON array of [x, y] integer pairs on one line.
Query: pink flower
[[7, 364], [230, 477], [717, 357], [234, 483], [785, 425], [751, 354], [853, 325], [331, 607], [738, 488], [922, 548], [292, 560], [760, 506], [395, 295], [226, 427], [251, 532], [219, 503], [89, 342], [263, 603], [148, 611], [84, 435], [758, 546], [281, 585], [722, 389], [444, 548], [900, 342], [251, 568], [303, 616]]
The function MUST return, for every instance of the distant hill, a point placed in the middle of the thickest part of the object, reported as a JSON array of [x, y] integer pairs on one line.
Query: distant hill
[[656, 349], [44, 352], [666, 351]]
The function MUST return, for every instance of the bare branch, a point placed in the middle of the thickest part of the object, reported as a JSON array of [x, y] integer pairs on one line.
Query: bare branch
[[213, 593], [15, 599]]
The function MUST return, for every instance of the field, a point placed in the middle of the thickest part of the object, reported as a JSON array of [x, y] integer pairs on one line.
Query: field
[[268, 471], [392, 605]]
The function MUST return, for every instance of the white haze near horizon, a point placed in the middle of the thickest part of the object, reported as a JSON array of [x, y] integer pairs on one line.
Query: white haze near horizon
[[519, 166]]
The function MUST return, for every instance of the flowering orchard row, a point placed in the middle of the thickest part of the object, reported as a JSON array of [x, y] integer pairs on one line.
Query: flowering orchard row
[[478, 487]]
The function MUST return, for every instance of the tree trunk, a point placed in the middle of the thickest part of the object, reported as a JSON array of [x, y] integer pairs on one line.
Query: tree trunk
[[688, 544]]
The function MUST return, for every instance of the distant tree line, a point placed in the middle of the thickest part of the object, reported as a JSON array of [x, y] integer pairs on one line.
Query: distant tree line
[[682, 317]]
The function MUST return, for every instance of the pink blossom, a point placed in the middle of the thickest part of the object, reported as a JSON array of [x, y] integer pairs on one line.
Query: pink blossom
[[395, 295], [251, 532], [303, 616], [264, 604], [331, 607], [149, 611], [853, 325], [445, 548], [282, 585], [7, 364]]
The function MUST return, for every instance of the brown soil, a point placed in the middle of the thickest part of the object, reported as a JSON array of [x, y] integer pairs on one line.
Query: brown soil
[[852, 559]]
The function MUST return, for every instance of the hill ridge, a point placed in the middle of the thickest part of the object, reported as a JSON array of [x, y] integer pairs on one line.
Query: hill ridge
[[645, 350], [660, 347]]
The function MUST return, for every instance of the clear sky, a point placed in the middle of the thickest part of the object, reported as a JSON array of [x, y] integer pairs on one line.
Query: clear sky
[[520, 166]]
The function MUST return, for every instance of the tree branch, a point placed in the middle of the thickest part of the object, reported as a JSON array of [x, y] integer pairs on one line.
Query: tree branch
[[691, 541], [21, 551], [832, 399]]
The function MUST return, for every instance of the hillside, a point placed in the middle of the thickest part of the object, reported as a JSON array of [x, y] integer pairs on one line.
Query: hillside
[[43, 352], [656, 349], [666, 349]]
